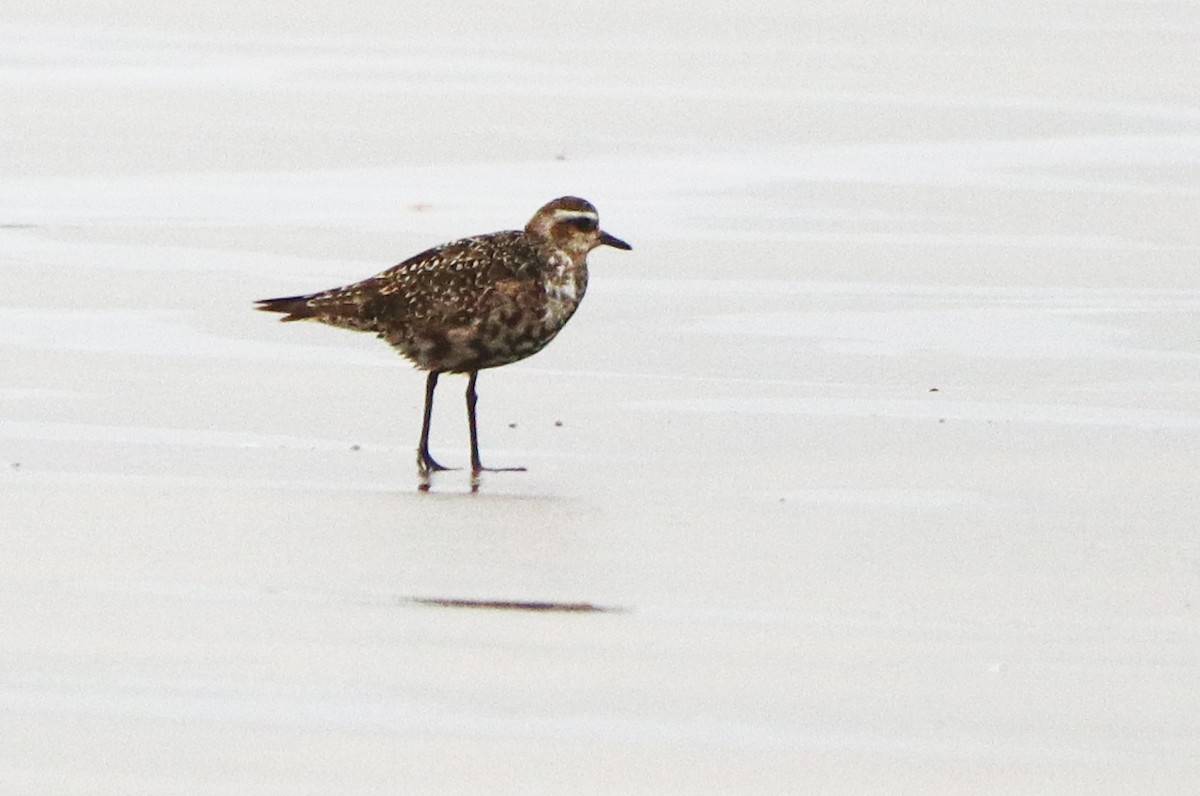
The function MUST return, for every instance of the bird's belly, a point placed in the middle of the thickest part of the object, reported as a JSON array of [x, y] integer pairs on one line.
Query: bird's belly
[[487, 342], [510, 330]]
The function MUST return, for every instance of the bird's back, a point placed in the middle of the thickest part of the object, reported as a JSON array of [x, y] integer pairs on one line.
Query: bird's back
[[470, 304]]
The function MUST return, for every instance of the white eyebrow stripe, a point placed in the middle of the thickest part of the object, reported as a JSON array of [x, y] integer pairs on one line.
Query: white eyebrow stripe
[[562, 213]]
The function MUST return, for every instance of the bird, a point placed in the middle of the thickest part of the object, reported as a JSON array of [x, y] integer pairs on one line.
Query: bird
[[469, 305]]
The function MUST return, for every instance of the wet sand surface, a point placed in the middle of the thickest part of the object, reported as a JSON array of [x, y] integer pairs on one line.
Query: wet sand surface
[[872, 469]]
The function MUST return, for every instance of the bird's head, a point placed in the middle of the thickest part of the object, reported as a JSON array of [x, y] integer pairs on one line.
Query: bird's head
[[572, 224]]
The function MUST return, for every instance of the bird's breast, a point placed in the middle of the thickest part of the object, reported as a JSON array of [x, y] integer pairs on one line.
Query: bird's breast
[[564, 285]]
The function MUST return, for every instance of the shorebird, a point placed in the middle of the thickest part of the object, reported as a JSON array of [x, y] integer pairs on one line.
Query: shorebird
[[471, 304]]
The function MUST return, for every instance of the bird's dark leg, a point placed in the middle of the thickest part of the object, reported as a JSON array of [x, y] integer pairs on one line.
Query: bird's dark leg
[[473, 399], [425, 462], [476, 466]]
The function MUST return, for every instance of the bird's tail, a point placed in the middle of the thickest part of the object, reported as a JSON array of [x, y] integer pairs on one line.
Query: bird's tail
[[296, 308]]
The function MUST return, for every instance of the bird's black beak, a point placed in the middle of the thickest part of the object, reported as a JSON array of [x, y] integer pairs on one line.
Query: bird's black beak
[[616, 243]]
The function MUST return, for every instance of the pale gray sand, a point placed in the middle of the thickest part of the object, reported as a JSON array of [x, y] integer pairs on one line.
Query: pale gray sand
[[882, 444]]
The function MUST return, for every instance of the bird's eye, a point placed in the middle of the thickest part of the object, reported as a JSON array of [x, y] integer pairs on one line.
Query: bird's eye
[[583, 224]]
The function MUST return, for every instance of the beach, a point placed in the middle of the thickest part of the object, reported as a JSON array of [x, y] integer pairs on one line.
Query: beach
[[872, 468]]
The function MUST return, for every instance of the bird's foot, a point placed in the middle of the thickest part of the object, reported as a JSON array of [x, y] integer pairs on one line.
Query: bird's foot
[[426, 467], [478, 468]]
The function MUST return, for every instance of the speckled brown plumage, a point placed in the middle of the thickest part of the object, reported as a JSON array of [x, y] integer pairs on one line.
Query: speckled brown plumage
[[471, 304]]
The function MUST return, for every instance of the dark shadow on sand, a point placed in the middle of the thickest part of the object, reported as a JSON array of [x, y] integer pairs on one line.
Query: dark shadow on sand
[[516, 605]]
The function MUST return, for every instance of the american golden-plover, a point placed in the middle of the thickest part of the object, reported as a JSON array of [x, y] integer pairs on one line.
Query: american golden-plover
[[471, 304]]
